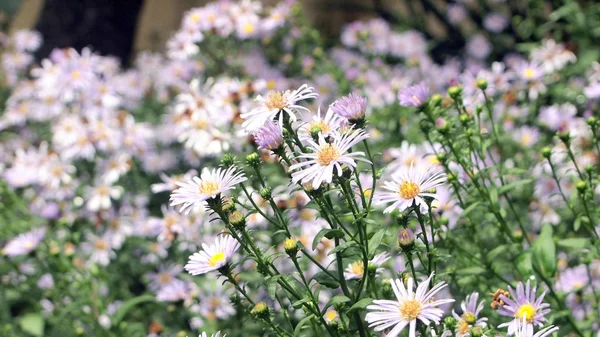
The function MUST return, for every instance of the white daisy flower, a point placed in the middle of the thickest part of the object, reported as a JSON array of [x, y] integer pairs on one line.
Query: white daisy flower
[[327, 125], [326, 157], [100, 195], [209, 185], [407, 309], [524, 329], [408, 185], [356, 270], [275, 102], [214, 256]]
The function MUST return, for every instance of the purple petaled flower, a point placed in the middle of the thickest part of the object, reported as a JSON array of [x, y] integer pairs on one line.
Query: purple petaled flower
[[24, 243], [269, 136], [351, 107], [415, 95], [523, 303], [470, 315]]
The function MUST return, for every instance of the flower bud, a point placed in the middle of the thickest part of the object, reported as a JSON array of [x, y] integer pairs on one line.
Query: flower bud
[[228, 160], [261, 310], [436, 99], [592, 121], [476, 331], [565, 137], [227, 204], [290, 245], [581, 186], [546, 152], [450, 323], [253, 159], [451, 177], [441, 157], [442, 125], [386, 288], [478, 108], [265, 193], [464, 119], [482, 83], [406, 239], [237, 220], [454, 91]]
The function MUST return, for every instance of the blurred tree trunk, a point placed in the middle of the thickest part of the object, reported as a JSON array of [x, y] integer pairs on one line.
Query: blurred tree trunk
[[107, 26]]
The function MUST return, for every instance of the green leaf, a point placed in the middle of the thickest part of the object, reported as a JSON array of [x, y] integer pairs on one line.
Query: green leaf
[[469, 209], [302, 323], [334, 233], [343, 247], [298, 303], [375, 241], [328, 233], [130, 304], [324, 279], [471, 271], [336, 300], [524, 264], [272, 285], [574, 243], [494, 253], [513, 185], [493, 197], [544, 252], [33, 324], [360, 305]]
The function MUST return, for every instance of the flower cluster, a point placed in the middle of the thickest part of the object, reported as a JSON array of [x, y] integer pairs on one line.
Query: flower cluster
[[252, 181]]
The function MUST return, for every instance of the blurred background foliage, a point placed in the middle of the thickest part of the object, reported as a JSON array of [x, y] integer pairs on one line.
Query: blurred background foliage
[[123, 28]]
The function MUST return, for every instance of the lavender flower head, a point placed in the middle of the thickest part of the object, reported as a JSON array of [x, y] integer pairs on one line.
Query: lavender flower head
[[523, 303], [415, 95], [351, 107], [269, 136], [470, 315], [23, 244]]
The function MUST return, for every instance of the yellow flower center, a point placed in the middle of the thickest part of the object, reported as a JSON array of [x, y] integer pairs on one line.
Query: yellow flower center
[[526, 310], [248, 28], [529, 73], [200, 124], [114, 224], [216, 259], [331, 315], [410, 310], [469, 317], [103, 191], [367, 193], [209, 187], [324, 127], [100, 244], [76, 74], [306, 214], [463, 327], [326, 154], [409, 190], [275, 100], [358, 268], [164, 278], [195, 17]]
